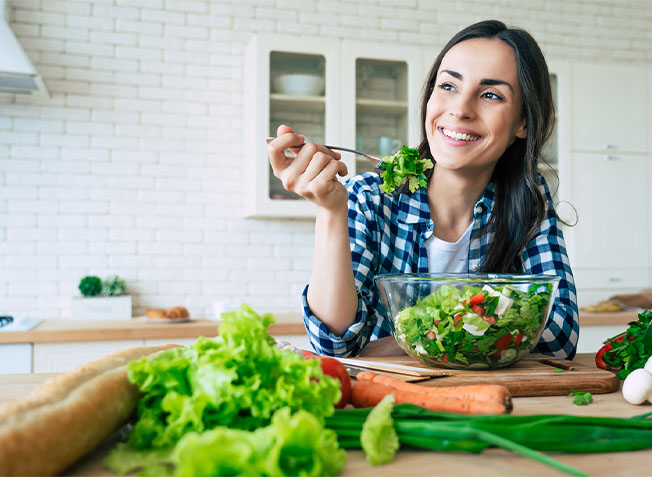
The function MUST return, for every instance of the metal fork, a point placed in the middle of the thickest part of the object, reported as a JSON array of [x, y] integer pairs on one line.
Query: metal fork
[[372, 159]]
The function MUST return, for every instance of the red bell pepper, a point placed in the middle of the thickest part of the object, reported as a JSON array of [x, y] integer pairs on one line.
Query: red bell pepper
[[599, 356], [335, 369]]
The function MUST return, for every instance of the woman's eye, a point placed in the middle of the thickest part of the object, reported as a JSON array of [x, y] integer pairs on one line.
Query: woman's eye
[[447, 87], [490, 95]]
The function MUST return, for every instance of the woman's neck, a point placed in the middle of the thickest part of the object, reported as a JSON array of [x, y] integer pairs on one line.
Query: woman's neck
[[451, 198]]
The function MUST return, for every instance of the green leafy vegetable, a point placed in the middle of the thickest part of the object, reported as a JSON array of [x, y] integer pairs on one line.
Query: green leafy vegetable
[[557, 370], [378, 437], [404, 166], [239, 380], [291, 445], [581, 399], [630, 350]]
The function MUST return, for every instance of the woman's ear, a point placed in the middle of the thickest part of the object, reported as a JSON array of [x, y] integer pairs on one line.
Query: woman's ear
[[521, 132]]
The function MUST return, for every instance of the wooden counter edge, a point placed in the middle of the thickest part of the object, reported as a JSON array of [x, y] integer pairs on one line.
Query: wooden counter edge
[[65, 331], [607, 319]]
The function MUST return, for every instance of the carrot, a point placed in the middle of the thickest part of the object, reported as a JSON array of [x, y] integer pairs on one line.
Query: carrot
[[471, 399], [476, 392]]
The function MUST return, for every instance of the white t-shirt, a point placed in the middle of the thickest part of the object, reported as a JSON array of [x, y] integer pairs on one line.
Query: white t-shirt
[[447, 257]]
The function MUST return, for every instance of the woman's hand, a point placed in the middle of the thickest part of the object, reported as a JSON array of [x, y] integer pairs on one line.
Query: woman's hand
[[312, 174]]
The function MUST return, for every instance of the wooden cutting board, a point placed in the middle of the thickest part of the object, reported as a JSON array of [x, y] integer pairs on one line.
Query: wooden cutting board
[[534, 375]]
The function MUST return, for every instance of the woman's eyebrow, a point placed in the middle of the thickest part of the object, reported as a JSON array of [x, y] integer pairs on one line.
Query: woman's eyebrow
[[485, 81]]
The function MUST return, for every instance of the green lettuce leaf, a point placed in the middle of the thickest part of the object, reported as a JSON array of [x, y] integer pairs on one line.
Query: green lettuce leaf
[[404, 165], [378, 437], [238, 380]]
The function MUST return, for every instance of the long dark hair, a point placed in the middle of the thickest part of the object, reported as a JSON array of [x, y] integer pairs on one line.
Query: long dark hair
[[520, 206]]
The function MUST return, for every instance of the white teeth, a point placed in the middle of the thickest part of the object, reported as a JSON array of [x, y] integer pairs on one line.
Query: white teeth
[[459, 136]]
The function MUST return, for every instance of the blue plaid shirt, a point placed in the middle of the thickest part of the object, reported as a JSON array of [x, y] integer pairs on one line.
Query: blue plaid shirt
[[387, 236]]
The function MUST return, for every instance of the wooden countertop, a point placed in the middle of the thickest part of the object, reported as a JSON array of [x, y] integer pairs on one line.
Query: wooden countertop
[[65, 330], [62, 331], [607, 319], [409, 462]]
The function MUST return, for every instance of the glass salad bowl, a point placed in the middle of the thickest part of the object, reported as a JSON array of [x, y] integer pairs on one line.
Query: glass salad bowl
[[467, 321]]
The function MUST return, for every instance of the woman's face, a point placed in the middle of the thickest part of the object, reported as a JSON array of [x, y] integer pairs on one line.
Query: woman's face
[[475, 110]]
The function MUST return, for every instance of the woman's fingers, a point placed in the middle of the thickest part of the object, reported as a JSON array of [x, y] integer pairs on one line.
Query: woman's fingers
[[276, 151], [320, 177]]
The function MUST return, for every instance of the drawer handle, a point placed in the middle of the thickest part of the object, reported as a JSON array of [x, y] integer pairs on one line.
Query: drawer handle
[[614, 279], [609, 157], [610, 146]]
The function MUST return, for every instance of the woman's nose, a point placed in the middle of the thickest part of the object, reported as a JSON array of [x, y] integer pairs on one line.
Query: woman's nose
[[463, 107]]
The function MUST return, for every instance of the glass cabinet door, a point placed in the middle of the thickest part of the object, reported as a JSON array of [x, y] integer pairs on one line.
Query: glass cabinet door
[[381, 86], [381, 108], [297, 99], [292, 81]]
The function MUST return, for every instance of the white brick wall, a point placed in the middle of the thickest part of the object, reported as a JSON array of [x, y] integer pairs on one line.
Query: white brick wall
[[134, 165]]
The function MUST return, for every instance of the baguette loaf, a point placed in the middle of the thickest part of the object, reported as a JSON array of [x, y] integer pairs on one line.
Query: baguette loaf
[[69, 415]]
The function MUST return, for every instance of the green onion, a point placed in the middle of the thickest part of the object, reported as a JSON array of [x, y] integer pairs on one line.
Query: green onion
[[524, 435]]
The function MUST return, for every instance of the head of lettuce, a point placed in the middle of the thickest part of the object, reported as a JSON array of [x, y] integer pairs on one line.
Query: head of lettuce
[[231, 405]]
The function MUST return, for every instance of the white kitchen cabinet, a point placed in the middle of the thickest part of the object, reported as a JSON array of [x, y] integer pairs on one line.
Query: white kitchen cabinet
[[592, 337], [610, 195], [598, 285], [609, 108], [56, 357], [16, 358], [266, 106], [370, 91]]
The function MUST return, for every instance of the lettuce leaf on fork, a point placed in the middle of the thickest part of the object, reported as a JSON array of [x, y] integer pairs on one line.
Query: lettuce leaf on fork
[[404, 166]]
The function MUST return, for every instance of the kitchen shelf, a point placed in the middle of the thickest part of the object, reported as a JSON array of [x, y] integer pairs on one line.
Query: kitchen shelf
[[304, 104], [379, 106]]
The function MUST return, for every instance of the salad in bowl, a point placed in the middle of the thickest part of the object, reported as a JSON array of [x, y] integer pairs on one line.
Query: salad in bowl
[[467, 321]]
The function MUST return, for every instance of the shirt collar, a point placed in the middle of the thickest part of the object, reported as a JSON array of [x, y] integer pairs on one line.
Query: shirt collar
[[413, 208]]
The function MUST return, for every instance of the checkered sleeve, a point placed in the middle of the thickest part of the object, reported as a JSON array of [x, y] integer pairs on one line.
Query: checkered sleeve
[[368, 324], [546, 254]]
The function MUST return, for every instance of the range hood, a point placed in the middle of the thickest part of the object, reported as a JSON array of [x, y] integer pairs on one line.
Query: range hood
[[17, 74]]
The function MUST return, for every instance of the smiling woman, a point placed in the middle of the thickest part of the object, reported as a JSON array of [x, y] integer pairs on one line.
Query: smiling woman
[[486, 113]]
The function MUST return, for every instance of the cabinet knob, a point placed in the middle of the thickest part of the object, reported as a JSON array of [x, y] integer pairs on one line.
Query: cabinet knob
[[610, 146], [609, 157], [614, 279]]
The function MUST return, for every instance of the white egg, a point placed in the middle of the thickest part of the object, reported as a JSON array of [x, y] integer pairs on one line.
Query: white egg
[[648, 365], [637, 387]]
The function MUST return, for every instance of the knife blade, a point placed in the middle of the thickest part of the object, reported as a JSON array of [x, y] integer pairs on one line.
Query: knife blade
[[353, 373], [393, 368]]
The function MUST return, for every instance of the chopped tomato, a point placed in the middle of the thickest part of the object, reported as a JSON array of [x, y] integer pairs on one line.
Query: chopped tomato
[[503, 342], [489, 319], [457, 318], [475, 299], [431, 335], [517, 339], [436, 322], [335, 369], [478, 310]]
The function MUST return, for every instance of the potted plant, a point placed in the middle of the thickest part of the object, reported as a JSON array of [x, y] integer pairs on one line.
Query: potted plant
[[101, 299]]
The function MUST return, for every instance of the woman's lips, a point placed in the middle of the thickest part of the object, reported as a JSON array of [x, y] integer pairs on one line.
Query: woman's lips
[[456, 137]]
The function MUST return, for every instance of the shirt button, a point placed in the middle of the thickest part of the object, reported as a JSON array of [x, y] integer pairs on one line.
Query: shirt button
[[478, 209]]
